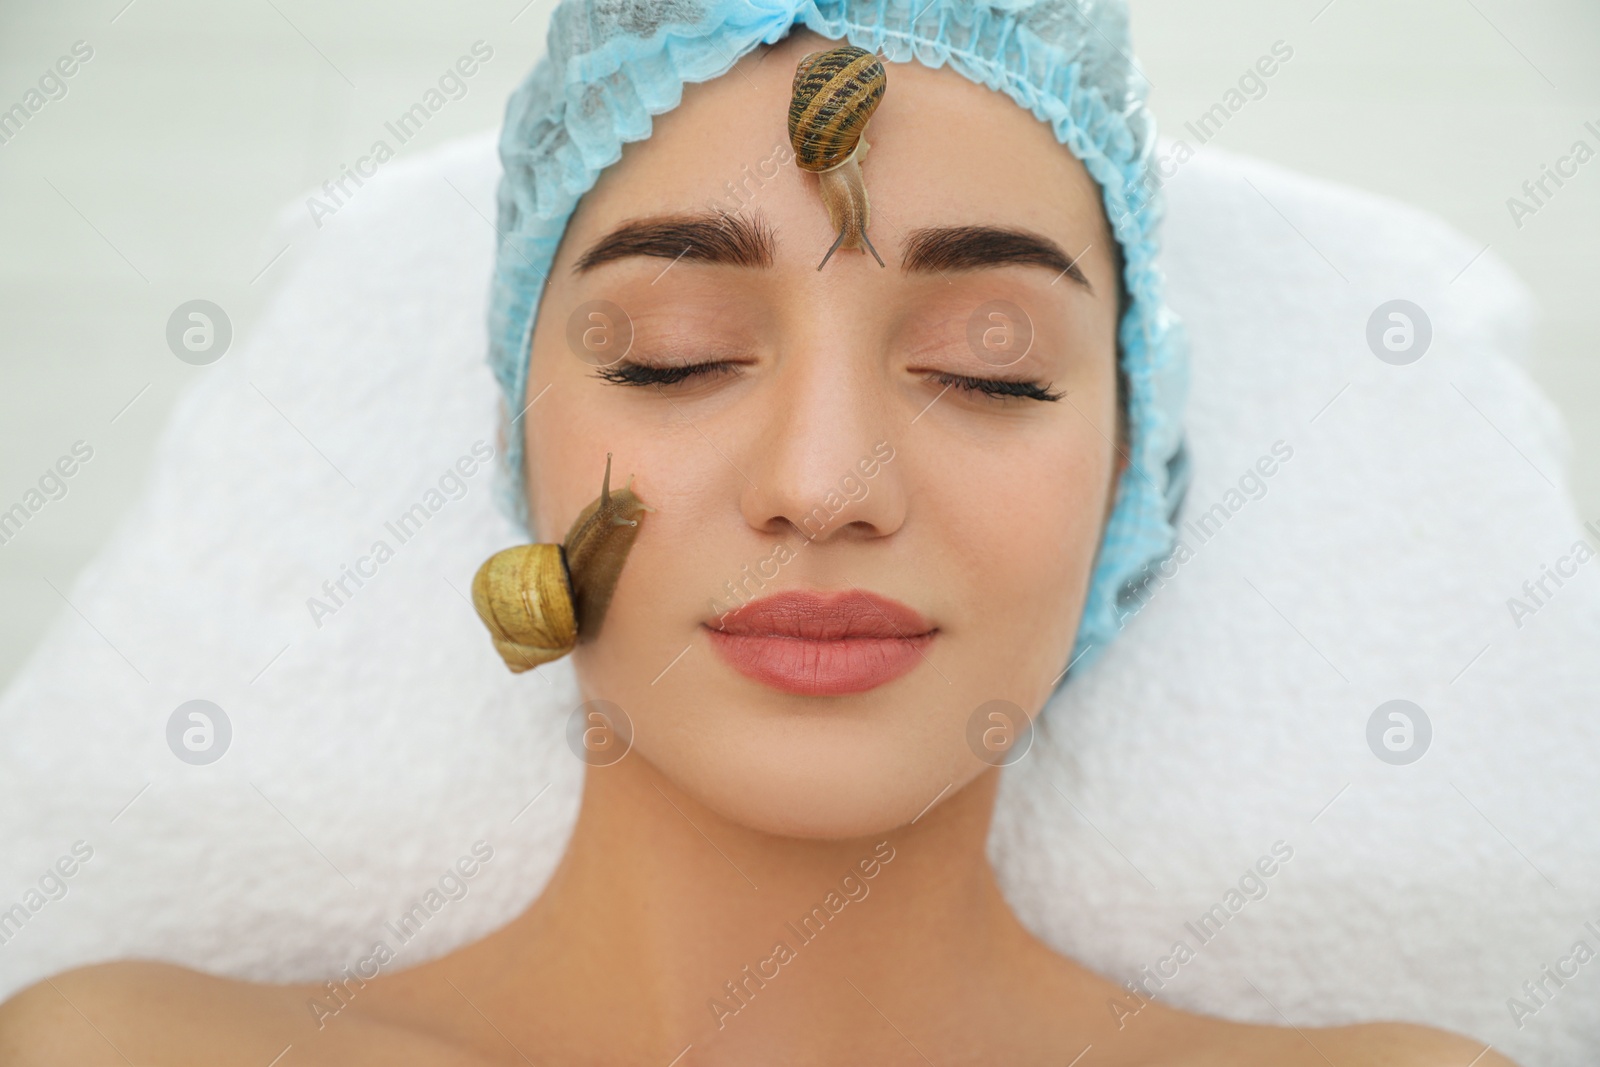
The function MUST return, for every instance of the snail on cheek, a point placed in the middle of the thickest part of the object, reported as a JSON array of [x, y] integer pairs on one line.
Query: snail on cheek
[[538, 601], [835, 93]]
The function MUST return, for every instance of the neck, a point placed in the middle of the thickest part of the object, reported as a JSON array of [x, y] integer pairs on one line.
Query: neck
[[707, 933]]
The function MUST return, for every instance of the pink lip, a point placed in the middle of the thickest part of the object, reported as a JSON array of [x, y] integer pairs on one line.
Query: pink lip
[[817, 644]]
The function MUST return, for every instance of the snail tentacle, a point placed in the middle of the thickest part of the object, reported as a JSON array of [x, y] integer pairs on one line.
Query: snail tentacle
[[845, 196], [597, 546]]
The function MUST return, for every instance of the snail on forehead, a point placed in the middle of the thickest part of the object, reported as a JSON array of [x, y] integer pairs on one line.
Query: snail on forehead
[[539, 601], [835, 93]]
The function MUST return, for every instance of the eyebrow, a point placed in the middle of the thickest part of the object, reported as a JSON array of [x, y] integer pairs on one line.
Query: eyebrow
[[949, 248], [734, 240], [712, 237]]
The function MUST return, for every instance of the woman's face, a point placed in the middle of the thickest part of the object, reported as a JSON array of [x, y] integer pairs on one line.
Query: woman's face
[[938, 433]]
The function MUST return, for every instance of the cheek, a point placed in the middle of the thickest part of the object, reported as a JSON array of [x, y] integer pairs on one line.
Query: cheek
[[566, 457], [566, 437], [1024, 530]]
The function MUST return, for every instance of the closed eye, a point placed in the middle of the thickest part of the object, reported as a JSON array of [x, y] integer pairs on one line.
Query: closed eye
[[998, 387], [629, 373]]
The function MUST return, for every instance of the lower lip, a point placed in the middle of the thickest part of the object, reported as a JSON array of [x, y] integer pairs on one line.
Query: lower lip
[[820, 668]]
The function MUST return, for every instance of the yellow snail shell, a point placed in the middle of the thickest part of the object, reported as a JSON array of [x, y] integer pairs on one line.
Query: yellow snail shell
[[538, 601], [835, 93]]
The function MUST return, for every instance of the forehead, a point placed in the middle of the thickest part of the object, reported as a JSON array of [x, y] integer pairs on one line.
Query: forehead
[[944, 151]]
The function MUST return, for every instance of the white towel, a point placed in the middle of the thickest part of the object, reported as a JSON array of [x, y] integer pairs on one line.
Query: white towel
[[369, 753]]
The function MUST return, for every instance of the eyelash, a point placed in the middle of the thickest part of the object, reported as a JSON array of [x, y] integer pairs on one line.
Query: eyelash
[[640, 374], [999, 387]]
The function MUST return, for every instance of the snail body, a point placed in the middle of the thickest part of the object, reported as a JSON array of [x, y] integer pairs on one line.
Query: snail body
[[540, 600], [835, 93]]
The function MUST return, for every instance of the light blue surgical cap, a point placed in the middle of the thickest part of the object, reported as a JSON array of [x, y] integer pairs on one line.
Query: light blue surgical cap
[[612, 64]]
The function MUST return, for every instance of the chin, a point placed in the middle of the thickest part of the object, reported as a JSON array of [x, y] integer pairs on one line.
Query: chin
[[824, 778]]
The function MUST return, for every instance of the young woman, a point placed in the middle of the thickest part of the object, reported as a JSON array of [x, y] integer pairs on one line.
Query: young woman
[[881, 501]]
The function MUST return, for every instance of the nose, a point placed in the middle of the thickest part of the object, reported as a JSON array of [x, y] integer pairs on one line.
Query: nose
[[822, 464]]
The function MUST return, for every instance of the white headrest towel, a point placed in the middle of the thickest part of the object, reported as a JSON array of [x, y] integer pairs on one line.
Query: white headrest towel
[[1231, 716]]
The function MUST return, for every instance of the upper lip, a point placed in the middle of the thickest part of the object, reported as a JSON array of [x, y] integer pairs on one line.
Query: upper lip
[[814, 616]]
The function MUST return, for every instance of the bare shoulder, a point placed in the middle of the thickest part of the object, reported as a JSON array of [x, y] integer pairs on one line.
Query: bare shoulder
[[1407, 1045], [113, 1012], [1147, 1032], [1199, 1041], [145, 1012]]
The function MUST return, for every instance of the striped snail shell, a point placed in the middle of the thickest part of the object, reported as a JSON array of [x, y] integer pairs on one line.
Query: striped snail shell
[[538, 601], [835, 93]]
